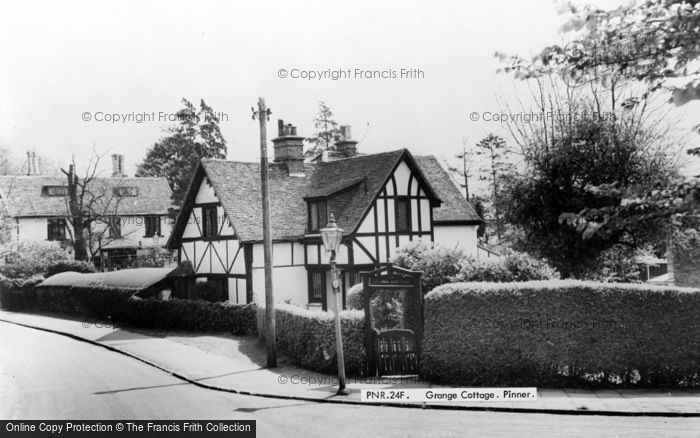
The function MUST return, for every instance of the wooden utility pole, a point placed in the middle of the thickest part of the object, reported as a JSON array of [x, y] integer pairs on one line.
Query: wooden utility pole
[[263, 114]]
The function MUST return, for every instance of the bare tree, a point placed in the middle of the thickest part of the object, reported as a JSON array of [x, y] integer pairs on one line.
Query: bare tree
[[468, 164], [93, 206]]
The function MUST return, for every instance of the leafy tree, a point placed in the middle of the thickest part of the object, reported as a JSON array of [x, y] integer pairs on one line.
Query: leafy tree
[[175, 157], [654, 41], [654, 44], [327, 132], [8, 165], [557, 177]]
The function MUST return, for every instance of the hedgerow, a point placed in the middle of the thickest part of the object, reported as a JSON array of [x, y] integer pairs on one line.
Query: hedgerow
[[562, 333]]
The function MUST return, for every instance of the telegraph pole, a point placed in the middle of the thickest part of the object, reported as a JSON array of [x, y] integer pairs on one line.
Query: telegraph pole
[[263, 114]]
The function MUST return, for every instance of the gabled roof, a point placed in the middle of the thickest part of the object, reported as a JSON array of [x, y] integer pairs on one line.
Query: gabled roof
[[454, 207], [349, 186], [22, 196]]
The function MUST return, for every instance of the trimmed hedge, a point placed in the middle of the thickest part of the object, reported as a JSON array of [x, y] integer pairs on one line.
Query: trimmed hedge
[[556, 333], [307, 337], [69, 266], [121, 306], [18, 293]]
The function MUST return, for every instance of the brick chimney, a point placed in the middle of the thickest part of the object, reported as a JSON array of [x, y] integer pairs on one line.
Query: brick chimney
[[118, 166], [289, 148], [32, 164], [345, 145]]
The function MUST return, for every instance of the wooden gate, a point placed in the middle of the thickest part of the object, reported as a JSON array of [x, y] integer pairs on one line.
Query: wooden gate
[[395, 351]]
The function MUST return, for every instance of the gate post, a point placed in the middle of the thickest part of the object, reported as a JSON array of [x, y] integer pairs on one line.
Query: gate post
[[371, 366]]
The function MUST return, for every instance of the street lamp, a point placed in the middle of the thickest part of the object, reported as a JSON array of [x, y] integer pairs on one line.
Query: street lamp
[[332, 236]]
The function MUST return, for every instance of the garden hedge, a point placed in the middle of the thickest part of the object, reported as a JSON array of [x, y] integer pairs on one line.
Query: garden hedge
[[307, 337], [562, 333], [122, 306]]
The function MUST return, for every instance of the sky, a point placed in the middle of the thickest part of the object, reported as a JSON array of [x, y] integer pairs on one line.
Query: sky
[[69, 61]]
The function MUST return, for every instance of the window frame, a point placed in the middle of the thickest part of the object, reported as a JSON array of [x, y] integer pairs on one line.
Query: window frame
[[51, 191], [213, 220], [52, 225], [324, 289], [125, 192], [155, 224], [321, 205], [409, 214]]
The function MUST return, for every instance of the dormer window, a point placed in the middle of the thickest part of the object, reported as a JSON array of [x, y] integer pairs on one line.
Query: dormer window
[[125, 192], [54, 191], [318, 215]]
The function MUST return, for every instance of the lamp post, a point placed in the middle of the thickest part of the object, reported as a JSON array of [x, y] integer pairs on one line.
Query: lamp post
[[332, 236]]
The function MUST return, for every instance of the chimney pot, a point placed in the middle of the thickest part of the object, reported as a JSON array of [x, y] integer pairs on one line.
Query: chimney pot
[[280, 128], [29, 163], [35, 161], [121, 165], [289, 148], [345, 145], [115, 165]]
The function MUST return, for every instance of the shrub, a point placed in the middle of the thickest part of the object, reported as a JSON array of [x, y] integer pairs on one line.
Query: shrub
[[308, 338], [354, 298], [511, 266], [121, 306], [29, 258], [556, 333], [438, 264], [442, 265], [82, 267]]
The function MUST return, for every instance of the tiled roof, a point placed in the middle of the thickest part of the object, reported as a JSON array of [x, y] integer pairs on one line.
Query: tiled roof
[[237, 185], [454, 208], [351, 184], [22, 196]]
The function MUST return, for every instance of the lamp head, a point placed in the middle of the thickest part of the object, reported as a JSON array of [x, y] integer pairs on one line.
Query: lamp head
[[331, 235]]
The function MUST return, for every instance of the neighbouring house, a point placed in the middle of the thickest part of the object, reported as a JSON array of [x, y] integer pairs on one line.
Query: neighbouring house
[[133, 213], [381, 201]]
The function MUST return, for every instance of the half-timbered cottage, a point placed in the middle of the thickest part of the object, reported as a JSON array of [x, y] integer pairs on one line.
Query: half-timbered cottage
[[382, 201]]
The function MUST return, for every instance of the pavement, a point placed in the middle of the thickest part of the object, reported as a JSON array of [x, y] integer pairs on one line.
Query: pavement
[[237, 364]]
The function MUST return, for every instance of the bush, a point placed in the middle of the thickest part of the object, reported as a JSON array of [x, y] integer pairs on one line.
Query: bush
[[511, 266], [442, 265], [82, 267], [557, 333], [29, 258], [438, 264], [121, 306], [308, 338], [354, 298]]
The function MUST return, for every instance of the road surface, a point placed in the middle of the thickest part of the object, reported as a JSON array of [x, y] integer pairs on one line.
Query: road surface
[[48, 376]]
